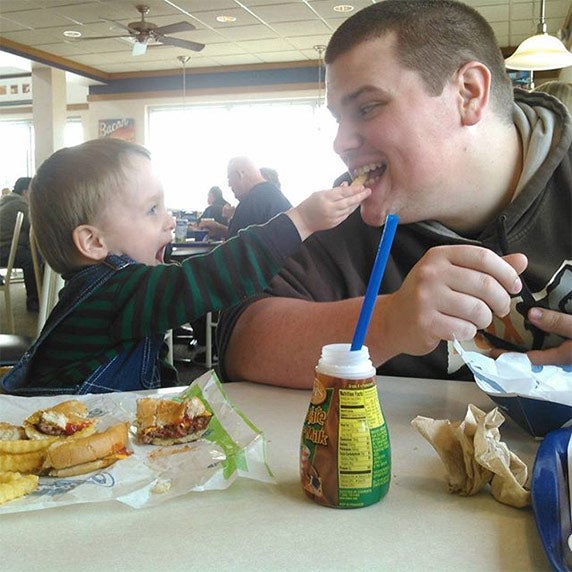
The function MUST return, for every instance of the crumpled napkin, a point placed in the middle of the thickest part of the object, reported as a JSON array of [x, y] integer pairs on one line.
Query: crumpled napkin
[[474, 455]]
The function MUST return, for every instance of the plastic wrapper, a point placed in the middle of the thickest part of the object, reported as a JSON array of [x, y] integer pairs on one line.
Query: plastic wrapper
[[232, 447], [538, 398]]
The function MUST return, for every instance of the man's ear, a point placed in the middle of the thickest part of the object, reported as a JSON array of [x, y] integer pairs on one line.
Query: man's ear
[[474, 84], [89, 242]]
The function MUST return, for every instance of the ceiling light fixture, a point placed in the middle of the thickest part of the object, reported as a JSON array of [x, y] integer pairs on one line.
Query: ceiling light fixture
[[72, 34], [184, 60], [343, 8], [320, 49], [225, 19], [541, 51]]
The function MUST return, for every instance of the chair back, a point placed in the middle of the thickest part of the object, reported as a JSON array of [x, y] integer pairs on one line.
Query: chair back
[[9, 267], [14, 245], [36, 262]]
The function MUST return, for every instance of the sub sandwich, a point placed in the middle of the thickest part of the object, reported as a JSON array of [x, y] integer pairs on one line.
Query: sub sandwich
[[167, 422], [71, 457], [66, 419]]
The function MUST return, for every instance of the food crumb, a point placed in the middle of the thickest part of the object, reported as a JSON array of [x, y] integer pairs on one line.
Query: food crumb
[[161, 486]]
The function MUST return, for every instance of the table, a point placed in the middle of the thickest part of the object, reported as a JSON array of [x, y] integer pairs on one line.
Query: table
[[180, 251], [258, 526]]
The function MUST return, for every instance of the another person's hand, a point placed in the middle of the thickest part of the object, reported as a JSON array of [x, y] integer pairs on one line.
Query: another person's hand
[[326, 209], [208, 224], [452, 292], [228, 212], [557, 323]]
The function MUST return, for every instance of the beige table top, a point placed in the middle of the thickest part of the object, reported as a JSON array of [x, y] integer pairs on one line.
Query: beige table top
[[257, 526]]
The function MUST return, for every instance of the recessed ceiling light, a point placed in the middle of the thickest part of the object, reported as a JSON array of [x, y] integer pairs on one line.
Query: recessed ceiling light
[[343, 8], [72, 34], [225, 19]]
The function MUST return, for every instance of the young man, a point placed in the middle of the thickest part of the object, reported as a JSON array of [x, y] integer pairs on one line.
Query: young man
[[482, 185]]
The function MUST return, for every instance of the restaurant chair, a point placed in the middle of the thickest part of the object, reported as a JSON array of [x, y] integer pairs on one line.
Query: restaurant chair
[[8, 276], [211, 325], [36, 262], [12, 348], [51, 285]]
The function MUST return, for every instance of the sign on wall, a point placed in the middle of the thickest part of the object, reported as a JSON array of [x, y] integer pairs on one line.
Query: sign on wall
[[117, 129]]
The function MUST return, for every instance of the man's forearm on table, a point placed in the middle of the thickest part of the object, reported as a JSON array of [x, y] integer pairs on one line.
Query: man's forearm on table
[[278, 340]]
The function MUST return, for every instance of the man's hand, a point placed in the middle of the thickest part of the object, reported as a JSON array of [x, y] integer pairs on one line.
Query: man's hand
[[453, 291]]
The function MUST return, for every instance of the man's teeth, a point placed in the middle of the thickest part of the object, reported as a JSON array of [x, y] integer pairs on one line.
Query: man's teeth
[[365, 169], [362, 174]]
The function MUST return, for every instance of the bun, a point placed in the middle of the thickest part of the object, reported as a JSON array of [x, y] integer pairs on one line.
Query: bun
[[85, 454], [168, 422]]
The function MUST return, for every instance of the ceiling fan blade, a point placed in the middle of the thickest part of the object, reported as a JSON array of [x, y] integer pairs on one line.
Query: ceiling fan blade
[[188, 45], [115, 23], [139, 48], [97, 38], [174, 28]]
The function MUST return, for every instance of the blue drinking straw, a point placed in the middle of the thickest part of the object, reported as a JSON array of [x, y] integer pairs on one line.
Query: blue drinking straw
[[375, 281]]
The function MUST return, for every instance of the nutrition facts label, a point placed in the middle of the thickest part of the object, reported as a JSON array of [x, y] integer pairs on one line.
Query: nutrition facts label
[[359, 416]]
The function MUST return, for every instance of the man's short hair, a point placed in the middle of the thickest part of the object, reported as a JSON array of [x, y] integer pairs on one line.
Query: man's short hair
[[433, 38], [21, 185]]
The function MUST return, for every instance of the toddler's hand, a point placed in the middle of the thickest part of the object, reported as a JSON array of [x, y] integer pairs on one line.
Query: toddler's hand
[[326, 209]]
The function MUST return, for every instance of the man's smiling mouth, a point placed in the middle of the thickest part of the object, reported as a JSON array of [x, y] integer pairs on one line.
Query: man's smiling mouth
[[373, 172]]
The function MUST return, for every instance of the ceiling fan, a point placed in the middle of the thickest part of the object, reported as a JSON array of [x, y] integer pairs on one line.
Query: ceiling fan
[[143, 32]]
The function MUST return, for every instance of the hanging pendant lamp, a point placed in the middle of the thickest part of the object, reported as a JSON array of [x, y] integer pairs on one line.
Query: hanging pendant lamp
[[541, 51]]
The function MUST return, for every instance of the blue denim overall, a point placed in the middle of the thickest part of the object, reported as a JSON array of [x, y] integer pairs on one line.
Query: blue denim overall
[[134, 368]]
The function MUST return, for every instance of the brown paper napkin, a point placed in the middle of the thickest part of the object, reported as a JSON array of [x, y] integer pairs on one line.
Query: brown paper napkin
[[474, 455]]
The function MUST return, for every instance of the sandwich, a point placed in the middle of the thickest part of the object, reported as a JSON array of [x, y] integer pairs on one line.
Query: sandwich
[[71, 457], [167, 422], [66, 419]]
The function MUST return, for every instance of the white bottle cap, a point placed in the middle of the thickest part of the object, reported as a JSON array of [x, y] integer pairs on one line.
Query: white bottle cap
[[338, 360]]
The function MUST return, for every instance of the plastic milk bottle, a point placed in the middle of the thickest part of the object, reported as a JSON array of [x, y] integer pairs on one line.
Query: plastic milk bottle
[[345, 454]]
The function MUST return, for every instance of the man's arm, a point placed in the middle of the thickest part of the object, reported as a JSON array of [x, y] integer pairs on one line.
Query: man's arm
[[451, 292], [278, 340]]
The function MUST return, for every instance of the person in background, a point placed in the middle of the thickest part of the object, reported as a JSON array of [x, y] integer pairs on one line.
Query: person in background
[[98, 211], [561, 90], [6, 191], [271, 175], [258, 199], [216, 203], [481, 178], [10, 206], [212, 218]]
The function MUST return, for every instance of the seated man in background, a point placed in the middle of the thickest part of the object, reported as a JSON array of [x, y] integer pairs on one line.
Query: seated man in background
[[258, 199], [10, 206], [481, 179]]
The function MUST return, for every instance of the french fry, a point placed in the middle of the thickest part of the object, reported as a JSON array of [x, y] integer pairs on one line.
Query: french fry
[[13, 485], [20, 446], [359, 180], [24, 462]]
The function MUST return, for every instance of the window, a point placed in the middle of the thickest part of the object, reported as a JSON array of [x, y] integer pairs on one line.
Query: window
[[191, 147], [17, 147]]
